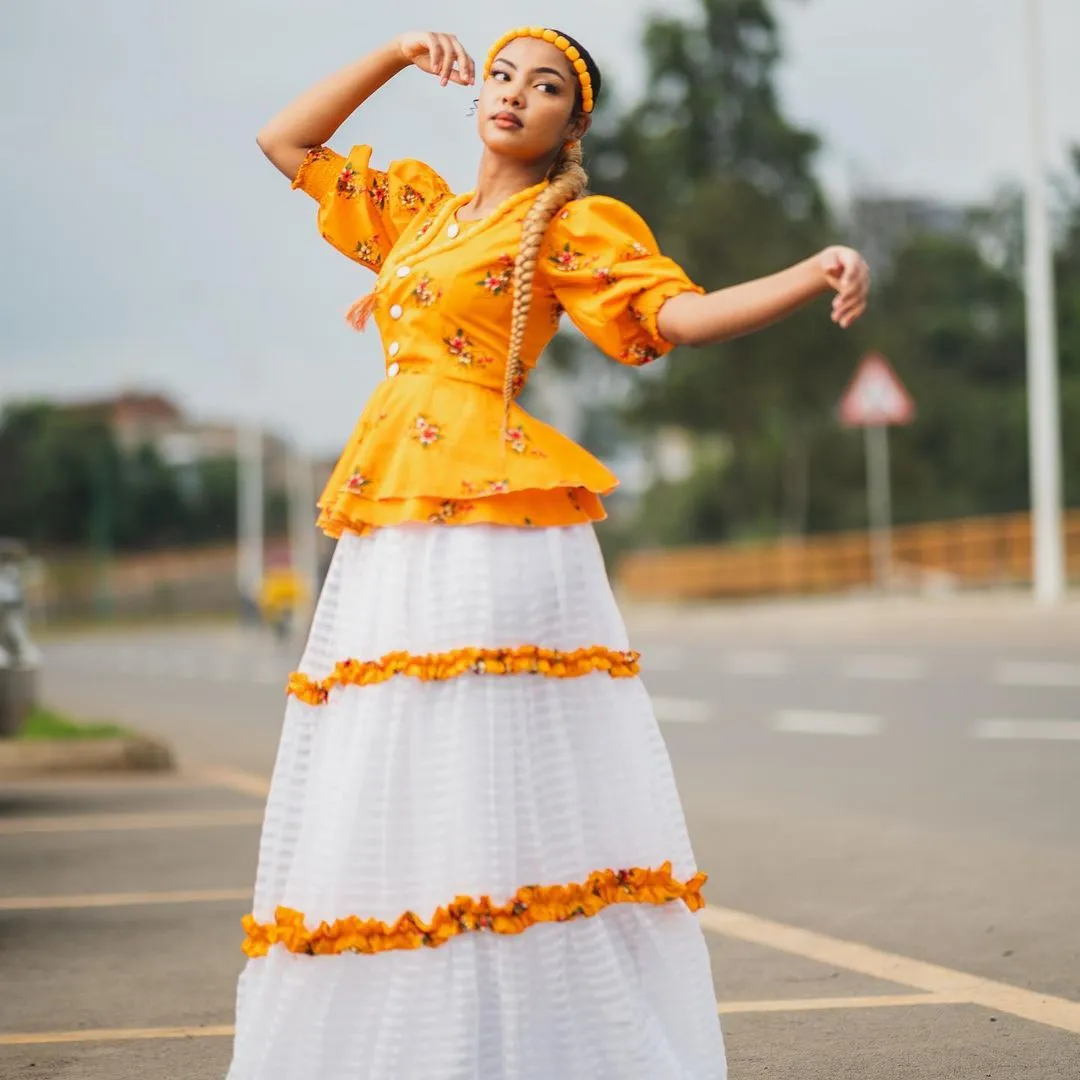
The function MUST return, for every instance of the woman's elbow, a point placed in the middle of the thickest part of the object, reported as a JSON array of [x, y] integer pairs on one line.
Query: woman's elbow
[[676, 320]]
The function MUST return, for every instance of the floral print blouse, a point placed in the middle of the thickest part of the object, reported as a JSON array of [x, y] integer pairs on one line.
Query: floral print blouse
[[431, 444]]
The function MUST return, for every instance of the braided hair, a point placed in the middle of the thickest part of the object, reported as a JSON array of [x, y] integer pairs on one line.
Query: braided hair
[[567, 181]]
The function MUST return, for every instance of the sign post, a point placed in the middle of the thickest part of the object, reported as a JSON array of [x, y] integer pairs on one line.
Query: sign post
[[875, 399]]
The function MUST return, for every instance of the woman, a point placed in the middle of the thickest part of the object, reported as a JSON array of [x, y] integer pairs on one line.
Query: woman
[[474, 864]]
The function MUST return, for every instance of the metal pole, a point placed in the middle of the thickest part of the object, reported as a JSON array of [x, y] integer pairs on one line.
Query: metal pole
[[305, 555], [1044, 421], [249, 566], [879, 502]]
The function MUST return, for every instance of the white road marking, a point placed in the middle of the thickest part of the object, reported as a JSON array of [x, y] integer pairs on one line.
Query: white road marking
[[883, 667], [756, 663], [680, 710], [811, 722], [1051, 730], [1037, 673]]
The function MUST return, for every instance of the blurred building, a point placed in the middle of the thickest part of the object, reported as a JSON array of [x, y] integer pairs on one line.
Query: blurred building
[[154, 420]]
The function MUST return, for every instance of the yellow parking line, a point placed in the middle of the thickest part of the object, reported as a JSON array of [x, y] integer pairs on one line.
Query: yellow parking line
[[106, 900], [879, 1001], [726, 1008], [45, 1038], [959, 986], [108, 822]]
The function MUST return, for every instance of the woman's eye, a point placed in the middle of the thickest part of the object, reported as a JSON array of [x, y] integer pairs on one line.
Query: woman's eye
[[502, 76], [548, 88]]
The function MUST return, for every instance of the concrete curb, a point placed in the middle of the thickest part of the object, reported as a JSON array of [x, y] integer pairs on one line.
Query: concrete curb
[[30, 757]]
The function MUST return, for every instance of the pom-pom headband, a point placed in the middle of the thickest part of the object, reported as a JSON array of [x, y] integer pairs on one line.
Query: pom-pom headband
[[573, 54]]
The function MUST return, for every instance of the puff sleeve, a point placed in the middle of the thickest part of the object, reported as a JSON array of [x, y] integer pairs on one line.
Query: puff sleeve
[[363, 211], [605, 268]]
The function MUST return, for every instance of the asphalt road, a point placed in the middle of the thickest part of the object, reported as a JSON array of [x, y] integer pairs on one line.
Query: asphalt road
[[886, 797]]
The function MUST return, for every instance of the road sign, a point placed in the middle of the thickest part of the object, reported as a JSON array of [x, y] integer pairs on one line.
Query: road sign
[[876, 397]]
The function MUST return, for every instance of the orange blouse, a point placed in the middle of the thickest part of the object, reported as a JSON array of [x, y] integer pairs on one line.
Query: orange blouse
[[430, 445]]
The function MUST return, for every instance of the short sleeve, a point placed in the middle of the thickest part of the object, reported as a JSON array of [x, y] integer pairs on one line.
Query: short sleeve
[[607, 272], [363, 211]]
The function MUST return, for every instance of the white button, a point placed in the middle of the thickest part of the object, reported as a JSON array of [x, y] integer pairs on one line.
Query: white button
[[395, 312], [453, 230], [404, 271], [395, 348], [393, 369]]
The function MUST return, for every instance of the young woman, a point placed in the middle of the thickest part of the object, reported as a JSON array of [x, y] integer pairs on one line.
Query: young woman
[[474, 864]]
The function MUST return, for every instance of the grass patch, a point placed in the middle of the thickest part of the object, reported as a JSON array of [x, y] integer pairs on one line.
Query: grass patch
[[43, 724]]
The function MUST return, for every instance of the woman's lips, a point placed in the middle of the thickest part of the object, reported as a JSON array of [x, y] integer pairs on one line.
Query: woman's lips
[[506, 120]]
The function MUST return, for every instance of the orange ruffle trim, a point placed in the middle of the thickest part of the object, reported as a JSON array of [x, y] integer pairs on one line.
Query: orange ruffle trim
[[433, 667], [530, 905]]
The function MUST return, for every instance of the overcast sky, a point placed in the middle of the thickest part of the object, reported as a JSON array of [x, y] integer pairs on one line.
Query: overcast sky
[[147, 244]]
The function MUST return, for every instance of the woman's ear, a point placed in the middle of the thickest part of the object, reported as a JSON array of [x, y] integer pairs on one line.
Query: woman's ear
[[580, 127]]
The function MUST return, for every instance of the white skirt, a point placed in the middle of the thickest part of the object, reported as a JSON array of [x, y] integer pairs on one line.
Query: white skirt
[[405, 794]]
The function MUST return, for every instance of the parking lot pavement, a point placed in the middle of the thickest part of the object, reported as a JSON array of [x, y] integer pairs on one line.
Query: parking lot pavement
[[120, 902]]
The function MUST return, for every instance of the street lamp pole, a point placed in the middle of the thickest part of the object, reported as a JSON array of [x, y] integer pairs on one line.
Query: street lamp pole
[[1044, 408]]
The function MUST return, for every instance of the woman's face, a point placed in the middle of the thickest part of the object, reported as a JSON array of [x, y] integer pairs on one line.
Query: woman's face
[[527, 103]]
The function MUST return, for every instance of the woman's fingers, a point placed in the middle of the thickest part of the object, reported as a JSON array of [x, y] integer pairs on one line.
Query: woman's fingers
[[435, 51], [464, 74]]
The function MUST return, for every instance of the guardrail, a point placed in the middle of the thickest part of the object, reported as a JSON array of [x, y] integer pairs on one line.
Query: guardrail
[[966, 552]]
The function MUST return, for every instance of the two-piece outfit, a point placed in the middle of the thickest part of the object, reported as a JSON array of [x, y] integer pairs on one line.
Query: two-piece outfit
[[474, 863]]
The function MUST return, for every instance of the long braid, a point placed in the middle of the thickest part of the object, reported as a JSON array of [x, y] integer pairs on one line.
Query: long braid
[[568, 182]]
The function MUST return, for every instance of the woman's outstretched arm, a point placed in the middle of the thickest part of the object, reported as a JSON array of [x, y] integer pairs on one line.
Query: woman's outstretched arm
[[317, 113], [692, 319]]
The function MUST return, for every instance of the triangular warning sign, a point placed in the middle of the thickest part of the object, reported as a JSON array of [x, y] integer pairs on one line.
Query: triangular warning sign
[[876, 396]]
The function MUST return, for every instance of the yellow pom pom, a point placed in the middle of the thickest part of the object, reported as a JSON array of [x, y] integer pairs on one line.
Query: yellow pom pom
[[581, 66], [535, 31], [572, 54], [551, 36], [562, 43]]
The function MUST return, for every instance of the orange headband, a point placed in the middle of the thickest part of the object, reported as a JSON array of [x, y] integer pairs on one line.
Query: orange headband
[[572, 54]]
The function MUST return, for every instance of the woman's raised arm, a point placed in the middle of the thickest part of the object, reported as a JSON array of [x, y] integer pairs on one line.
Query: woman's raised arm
[[317, 113]]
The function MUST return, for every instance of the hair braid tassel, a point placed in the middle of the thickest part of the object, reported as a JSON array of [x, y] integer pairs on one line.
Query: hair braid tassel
[[568, 181]]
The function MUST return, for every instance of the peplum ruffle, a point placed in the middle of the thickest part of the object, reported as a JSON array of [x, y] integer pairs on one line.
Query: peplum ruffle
[[429, 447]]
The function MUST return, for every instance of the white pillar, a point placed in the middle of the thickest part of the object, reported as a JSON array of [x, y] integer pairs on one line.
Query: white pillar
[[1044, 407], [879, 502], [249, 462], [302, 534]]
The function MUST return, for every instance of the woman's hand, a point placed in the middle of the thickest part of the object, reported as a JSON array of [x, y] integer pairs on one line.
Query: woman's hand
[[848, 275], [441, 55]]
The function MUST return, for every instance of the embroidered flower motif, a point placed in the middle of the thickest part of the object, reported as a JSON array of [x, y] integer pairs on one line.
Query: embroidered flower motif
[[568, 259], [346, 182], [461, 346], [639, 354], [448, 510], [604, 276], [499, 278], [425, 432], [368, 251], [424, 294], [379, 191], [637, 251], [518, 440], [423, 230], [489, 487], [358, 481], [410, 198]]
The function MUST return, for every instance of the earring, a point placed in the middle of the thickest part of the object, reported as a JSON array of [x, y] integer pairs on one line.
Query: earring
[[475, 106]]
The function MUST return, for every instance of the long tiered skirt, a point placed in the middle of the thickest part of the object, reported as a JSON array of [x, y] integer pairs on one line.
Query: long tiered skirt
[[474, 863]]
